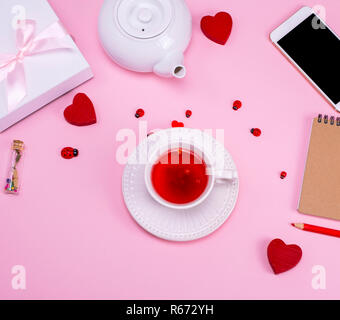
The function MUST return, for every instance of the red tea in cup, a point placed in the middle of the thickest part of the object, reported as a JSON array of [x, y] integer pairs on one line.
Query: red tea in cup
[[179, 176]]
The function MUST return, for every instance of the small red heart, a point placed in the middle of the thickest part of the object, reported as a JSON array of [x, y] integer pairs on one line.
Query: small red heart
[[81, 112], [217, 28], [176, 124], [283, 257]]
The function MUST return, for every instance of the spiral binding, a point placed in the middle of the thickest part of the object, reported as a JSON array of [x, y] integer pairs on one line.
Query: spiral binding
[[331, 120]]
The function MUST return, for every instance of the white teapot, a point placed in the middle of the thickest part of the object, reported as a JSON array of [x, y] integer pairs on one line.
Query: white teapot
[[146, 35]]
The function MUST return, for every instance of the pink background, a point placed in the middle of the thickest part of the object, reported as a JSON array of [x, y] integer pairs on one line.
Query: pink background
[[70, 229]]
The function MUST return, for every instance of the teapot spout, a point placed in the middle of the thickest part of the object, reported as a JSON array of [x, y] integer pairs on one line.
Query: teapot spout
[[171, 66]]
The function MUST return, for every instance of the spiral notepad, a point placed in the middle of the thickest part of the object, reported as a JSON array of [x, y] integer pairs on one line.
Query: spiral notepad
[[320, 194]]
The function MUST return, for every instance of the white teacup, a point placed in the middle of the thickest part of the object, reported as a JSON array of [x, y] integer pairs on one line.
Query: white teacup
[[214, 175]]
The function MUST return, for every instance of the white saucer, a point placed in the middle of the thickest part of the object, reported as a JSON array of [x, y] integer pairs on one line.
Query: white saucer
[[175, 224]]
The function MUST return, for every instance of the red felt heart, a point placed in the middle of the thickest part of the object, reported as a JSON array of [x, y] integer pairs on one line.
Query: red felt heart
[[283, 257], [81, 112], [217, 28]]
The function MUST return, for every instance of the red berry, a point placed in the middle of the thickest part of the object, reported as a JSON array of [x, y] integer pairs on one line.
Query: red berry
[[283, 174], [69, 153], [256, 132], [139, 113], [188, 113], [237, 104]]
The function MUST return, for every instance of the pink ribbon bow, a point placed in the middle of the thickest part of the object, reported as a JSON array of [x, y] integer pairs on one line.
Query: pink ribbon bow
[[28, 44]]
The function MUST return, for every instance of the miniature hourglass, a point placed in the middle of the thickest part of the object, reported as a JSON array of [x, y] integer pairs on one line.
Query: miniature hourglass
[[13, 179]]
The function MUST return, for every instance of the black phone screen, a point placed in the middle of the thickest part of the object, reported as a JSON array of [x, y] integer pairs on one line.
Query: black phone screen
[[316, 50]]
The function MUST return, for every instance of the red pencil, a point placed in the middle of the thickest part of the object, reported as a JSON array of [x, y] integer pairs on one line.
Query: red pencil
[[316, 229]]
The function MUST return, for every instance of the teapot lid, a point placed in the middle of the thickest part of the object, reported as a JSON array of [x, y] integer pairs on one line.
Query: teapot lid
[[144, 18]]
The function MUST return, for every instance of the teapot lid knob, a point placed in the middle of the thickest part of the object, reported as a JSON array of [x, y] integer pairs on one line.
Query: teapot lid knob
[[144, 18], [145, 15]]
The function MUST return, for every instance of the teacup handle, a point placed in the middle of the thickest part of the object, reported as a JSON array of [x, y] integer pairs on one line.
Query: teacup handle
[[222, 176]]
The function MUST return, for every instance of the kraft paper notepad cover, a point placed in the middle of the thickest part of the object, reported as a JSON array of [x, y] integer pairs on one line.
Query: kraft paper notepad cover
[[320, 194]]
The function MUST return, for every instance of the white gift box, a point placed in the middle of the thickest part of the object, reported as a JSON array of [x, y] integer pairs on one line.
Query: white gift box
[[46, 74]]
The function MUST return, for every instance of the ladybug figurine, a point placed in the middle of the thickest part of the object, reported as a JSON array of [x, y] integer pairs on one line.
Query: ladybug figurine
[[256, 132], [283, 174], [69, 153], [237, 105], [139, 113]]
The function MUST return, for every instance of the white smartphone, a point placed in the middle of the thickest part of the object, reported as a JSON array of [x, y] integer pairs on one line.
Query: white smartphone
[[314, 49]]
